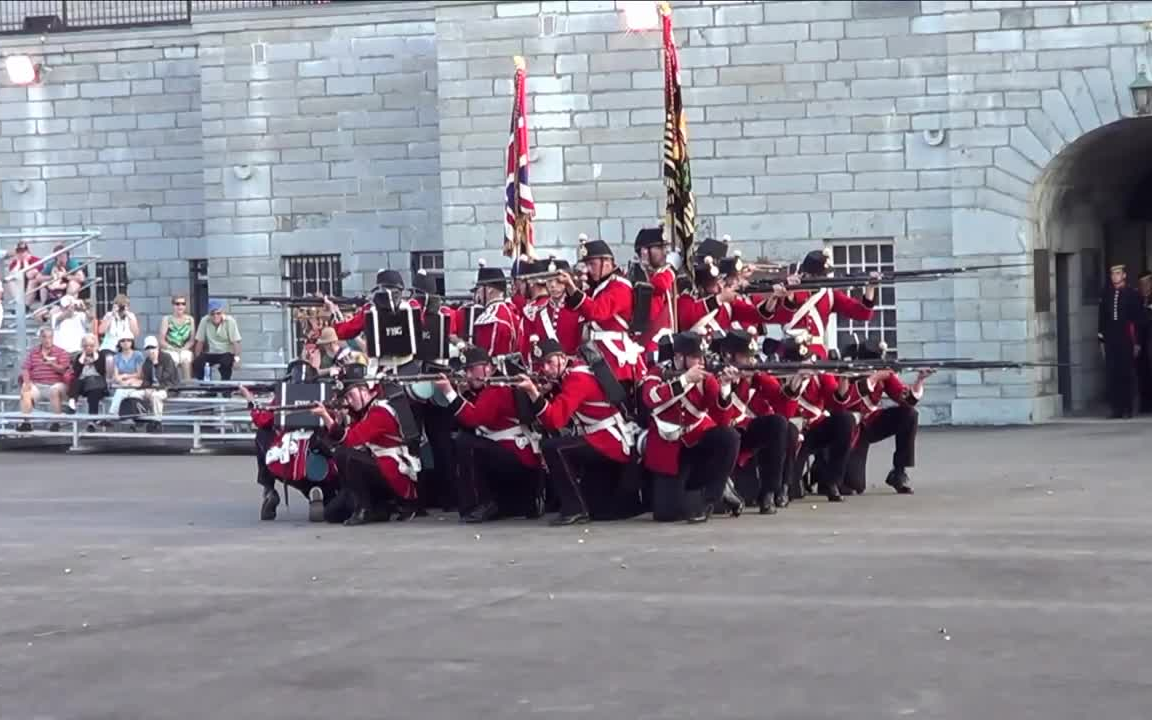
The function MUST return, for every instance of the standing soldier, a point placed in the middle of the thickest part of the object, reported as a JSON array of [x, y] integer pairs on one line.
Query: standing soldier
[[385, 296], [717, 304], [545, 315], [810, 310], [498, 328], [606, 311], [651, 267], [1120, 317]]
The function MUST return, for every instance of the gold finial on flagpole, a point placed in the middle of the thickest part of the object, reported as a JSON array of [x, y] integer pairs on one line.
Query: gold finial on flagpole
[[519, 62], [665, 9]]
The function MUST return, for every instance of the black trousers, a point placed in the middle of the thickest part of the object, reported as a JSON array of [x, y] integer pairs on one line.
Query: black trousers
[[221, 360], [585, 481], [704, 471], [899, 421], [363, 482], [1121, 369], [1144, 377], [768, 438], [487, 471], [93, 396], [831, 440], [437, 484]]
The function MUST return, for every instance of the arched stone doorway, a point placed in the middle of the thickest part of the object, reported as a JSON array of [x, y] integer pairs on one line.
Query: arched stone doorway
[[1090, 209]]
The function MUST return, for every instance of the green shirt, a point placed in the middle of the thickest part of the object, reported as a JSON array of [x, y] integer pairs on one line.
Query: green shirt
[[218, 339]]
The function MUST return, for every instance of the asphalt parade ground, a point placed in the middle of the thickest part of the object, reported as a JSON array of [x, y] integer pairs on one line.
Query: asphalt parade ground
[[1016, 583]]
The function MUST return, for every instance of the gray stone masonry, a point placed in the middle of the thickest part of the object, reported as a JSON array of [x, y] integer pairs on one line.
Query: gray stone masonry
[[374, 130]]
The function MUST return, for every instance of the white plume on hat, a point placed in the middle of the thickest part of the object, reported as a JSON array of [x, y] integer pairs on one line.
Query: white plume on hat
[[482, 262]]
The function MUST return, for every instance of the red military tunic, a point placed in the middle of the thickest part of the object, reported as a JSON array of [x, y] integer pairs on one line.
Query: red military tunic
[[607, 312], [581, 399], [753, 397], [498, 328], [680, 416], [705, 315], [811, 310], [661, 320], [493, 415], [865, 398], [378, 431], [816, 399], [544, 318]]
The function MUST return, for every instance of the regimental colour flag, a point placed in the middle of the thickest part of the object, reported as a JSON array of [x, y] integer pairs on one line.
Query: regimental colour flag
[[680, 212], [519, 209]]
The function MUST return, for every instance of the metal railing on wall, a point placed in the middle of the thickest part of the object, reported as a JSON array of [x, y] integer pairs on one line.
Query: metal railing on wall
[[53, 16]]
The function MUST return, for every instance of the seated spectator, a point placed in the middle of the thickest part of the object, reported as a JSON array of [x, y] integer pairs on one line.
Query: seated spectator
[[127, 377], [119, 322], [178, 335], [62, 275], [21, 260], [43, 376], [159, 373], [88, 376], [70, 323], [217, 343]]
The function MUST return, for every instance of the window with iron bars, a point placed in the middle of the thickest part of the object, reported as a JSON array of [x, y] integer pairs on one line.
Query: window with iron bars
[[865, 256], [112, 280], [431, 263], [307, 275]]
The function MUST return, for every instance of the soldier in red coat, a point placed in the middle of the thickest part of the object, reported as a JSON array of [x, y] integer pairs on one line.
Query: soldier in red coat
[[749, 405], [386, 296], [810, 310], [717, 304], [587, 468], [607, 311], [546, 315], [376, 468], [498, 328], [651, 266], [826, 429], [290, 456], [875, 423], [690, 455], [498, 468]]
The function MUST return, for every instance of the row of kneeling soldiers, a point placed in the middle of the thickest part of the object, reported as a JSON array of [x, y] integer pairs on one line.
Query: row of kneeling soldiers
[[698, 434]]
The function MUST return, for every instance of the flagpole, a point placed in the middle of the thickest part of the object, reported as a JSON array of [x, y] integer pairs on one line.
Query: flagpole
[[665, 24]]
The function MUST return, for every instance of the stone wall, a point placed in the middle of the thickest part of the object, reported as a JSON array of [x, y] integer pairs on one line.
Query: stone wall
[[111, 139]]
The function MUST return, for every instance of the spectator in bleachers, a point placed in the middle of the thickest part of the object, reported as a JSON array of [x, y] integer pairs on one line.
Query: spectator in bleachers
[[127, 375], [44, 376], [62, 275], [159, 373], [119, 322], [217, 342], [21, 259], [178, 335], [88, 376], [70, 323]]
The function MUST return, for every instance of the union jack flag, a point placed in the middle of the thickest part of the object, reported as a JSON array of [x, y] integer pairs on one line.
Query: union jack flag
[[519, 209], [681, 204]]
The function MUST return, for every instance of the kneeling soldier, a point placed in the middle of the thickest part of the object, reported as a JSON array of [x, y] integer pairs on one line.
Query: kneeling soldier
[[691, 455]]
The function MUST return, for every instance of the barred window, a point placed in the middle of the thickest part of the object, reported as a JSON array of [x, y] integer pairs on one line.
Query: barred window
[[307, 275], [431, 263], [112, 279], [865, 256]]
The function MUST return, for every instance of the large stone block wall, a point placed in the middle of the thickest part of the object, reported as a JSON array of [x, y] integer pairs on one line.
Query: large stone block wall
[[112, 140]]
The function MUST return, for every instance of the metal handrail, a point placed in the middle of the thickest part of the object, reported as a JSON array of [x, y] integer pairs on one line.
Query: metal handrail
[[88, 236]]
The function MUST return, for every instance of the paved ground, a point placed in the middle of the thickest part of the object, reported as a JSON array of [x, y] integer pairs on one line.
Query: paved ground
[[145, 588]]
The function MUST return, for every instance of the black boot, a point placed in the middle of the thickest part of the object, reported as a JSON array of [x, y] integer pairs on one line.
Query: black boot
[[700, 514], [574, 519], [833, 494], [482, 513], [733, 503], [899, 481], [780, 500], [767, 508], [270, 503], [360, 516]]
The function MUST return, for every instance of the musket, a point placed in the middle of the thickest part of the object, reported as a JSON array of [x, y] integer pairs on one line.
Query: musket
[[332, 404], [287, 300], [887, 277], [851, 366]]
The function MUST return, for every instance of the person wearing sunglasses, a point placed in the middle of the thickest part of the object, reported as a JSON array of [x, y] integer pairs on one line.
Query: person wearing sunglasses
[[178, 335]]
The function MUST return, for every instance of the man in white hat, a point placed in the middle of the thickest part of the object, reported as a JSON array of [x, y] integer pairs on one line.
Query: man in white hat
[[69, 324]]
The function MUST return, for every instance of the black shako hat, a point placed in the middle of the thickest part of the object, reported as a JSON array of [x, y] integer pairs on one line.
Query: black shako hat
[[490, 276], [687, 343], [649, 237], [389, 279]]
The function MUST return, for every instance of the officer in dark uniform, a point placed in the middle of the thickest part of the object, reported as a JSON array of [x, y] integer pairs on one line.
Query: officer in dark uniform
[[1144, 360], [1120, 319]]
